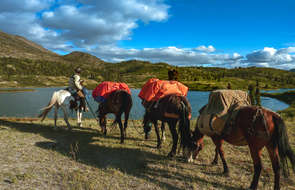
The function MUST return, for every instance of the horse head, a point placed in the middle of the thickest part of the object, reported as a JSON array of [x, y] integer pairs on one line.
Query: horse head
[[147, 124], [191, 153]]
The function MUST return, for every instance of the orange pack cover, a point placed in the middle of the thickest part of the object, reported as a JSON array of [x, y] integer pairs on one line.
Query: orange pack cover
[[154, 89], [107, 87]]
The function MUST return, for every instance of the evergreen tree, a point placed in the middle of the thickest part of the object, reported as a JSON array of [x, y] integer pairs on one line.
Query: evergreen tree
[[257, 97], [257, 94], [252, 94]]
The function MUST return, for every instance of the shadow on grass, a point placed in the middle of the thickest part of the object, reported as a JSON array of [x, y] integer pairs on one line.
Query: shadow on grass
[[79, 145]]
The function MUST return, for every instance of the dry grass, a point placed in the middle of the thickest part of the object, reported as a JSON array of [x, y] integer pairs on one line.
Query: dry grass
[[34, 156]]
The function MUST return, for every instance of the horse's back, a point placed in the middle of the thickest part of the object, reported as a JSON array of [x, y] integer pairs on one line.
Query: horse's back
[[257, 121], [174, 101], [62, 95]]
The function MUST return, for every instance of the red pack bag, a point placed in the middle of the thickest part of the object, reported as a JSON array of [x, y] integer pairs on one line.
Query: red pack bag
[[105, 88], [154, 89]]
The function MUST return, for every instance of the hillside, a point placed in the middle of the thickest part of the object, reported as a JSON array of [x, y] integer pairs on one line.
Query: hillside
[[19, 47], [80, 57], [24, 63]]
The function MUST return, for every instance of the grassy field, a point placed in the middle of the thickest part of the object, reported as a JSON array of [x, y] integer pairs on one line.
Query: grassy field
[[35, 156]]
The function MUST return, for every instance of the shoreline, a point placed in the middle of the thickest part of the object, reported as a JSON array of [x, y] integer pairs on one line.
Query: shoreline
[[15, 90]]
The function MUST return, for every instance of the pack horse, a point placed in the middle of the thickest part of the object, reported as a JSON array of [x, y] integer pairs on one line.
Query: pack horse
[[115, 98], [231, 118]]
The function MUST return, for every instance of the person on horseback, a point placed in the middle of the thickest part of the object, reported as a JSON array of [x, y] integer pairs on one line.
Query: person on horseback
[[76, 88]]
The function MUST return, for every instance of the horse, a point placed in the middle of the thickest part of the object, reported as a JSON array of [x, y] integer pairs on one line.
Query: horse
[[255, 127], [117, 102], [170, 109], [58, 101]]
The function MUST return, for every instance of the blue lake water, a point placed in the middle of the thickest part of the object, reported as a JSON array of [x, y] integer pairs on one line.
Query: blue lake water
[[28, 104]]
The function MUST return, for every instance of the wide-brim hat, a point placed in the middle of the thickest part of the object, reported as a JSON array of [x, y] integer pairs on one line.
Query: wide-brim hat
[[78, 70]]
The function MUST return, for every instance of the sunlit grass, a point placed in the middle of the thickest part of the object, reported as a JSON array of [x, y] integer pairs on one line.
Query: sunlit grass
[[35, 156]]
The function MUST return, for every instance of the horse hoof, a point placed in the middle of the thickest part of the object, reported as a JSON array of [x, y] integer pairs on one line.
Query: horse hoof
[[80, 125], [214, 163], [146, 137], [190, 160], [159, 146], [226, 174], [170, 155]]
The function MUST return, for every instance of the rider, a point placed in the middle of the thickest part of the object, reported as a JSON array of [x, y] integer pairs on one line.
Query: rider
[[76, 87]]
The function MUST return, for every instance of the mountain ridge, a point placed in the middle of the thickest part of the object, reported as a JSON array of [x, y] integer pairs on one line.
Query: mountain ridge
[[25, 63]]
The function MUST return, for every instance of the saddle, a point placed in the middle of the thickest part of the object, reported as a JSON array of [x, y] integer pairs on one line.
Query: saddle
[[78, 97], [222, 108]]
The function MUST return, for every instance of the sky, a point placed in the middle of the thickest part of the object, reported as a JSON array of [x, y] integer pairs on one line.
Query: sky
[[215, 33]]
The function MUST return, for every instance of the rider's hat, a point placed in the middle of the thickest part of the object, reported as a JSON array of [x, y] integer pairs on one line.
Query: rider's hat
[[78, 70]]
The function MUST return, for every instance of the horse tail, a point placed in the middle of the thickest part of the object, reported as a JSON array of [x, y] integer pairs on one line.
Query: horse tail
[[184, 126], [48, 107], [281, 141]]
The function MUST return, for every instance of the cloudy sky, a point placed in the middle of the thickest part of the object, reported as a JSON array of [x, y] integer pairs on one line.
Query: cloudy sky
[[222, 33]]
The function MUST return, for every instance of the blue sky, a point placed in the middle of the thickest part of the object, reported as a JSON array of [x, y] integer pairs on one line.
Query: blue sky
[[222, 33], [231, 25]]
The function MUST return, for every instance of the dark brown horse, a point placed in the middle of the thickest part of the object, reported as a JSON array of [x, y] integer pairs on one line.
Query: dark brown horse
[[170, 109], [118, 102], [256, 127]]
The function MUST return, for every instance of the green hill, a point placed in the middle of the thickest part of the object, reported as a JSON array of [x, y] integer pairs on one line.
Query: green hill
[[24, 63], [19, 47]]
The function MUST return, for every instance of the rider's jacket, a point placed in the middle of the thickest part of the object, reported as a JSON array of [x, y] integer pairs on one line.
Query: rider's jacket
[[75, 83]]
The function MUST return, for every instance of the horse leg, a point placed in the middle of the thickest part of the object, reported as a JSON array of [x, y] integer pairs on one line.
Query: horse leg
[[126, 122], [103, 124], [118, 119], [255, 154], [66, 116], [163, 131], [79, 117], [158, 135], [274, 156], [215, 160], [218, 143], [55, 115], [172, 127]]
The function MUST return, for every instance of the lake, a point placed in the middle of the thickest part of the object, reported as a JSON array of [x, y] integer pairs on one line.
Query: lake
[[28, 104]]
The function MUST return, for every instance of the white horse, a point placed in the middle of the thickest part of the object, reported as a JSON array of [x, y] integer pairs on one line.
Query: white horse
[[58, 100]]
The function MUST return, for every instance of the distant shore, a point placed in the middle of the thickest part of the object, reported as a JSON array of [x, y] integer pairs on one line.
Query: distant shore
[[16, 90], [286, 97]]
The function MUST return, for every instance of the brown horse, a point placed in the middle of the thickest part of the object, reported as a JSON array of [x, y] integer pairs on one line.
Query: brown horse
[[118, 102], [170, 109], [256, 127]]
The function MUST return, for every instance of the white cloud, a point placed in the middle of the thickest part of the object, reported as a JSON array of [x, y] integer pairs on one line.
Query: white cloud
[[24, 5], [102, 22], [264, 55], [84, 23], [170, 55], [208, 49], [271, 57]]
